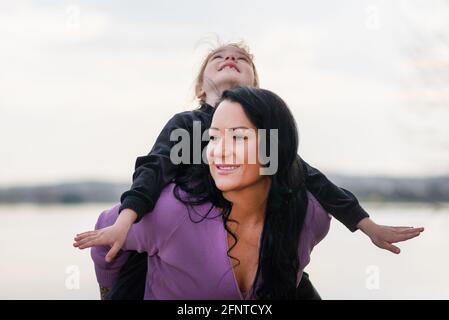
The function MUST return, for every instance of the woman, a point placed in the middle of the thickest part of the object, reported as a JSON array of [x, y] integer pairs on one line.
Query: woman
[[222, 69], [229, 232]]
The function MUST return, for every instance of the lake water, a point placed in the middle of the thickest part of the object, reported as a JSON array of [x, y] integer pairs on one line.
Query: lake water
[[37, 260]]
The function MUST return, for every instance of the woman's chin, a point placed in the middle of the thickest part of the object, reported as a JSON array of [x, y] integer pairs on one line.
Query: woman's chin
[[225, 186]]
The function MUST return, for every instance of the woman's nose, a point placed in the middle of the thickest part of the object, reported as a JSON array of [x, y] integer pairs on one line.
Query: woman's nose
[[224, 148], [230, 57]]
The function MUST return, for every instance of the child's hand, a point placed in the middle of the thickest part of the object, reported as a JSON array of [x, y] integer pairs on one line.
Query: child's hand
[[385, 236], [113, 236]]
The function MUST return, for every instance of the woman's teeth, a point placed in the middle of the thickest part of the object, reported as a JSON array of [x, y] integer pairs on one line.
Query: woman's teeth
[[227, 167]]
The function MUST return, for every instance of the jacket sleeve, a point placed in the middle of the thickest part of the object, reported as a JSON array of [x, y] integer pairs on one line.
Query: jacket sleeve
[[154, 171], [341, 203]]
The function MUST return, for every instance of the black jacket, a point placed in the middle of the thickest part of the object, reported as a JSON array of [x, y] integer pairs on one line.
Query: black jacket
[[154, 171]]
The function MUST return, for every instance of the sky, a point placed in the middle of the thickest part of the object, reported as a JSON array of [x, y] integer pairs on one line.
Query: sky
[[85, 87]]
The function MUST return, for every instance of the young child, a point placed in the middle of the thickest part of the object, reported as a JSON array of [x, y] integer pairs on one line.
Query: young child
[[223, 68]]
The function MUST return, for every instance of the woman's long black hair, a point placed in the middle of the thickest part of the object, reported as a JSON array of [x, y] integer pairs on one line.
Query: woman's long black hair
[[287, 200]]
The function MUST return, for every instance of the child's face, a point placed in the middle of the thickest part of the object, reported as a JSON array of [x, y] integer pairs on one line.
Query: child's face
[[232, 151], [227, 67]]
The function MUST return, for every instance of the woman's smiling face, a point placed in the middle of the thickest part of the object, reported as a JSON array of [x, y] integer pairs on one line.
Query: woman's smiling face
[[232, 152]]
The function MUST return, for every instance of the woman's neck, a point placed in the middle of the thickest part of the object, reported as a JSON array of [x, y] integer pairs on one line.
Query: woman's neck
[[249, 204]]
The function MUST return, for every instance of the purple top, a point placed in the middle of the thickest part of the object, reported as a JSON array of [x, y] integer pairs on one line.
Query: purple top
[[188, 260]]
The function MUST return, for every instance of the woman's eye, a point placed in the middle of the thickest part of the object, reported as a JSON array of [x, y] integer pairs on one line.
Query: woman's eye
[[213, 138], [240, 138], [216, 57], [244, 59]]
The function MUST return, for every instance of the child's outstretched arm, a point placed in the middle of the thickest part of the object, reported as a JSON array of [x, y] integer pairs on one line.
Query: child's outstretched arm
[[345, 207], [112, 236], [152, 173], [340, 203], [155, 170], [142, 237], [385, 236]]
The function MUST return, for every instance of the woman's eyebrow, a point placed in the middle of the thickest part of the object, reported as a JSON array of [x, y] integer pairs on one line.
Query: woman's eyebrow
[[234, 128], [240, 127]]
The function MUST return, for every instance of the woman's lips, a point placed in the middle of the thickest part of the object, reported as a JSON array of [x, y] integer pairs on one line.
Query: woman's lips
[[226, 168]]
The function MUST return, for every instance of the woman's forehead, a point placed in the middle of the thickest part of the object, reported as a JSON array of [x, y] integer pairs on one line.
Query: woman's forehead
[[230, 115]]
